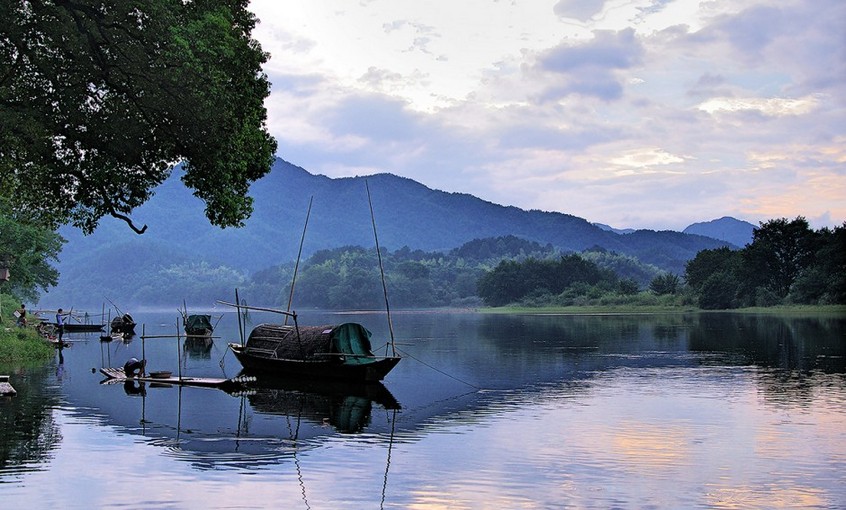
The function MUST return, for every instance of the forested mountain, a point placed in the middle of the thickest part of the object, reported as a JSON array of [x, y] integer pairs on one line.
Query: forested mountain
[[407, 214], [736, 232]]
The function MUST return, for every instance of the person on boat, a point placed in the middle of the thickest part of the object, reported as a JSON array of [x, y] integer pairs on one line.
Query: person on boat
[[60, 324], [21, 322], [133, 367]]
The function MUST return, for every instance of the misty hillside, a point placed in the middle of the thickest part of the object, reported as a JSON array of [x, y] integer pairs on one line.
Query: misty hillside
[[407, 213]]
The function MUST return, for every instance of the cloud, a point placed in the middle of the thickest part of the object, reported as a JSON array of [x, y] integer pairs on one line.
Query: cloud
[[588, 68], [607, 50], [771, 107], [578, 9], [645, 158], [752, 30], [644, 113]]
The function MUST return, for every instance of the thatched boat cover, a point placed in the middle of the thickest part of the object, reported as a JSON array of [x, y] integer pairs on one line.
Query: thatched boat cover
[[312, 342], [198, 324]]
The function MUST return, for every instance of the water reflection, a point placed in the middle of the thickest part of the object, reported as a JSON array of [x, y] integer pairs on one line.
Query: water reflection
[[597, 411], [265, 423], [199, 347], [496, 363], [27, 431]]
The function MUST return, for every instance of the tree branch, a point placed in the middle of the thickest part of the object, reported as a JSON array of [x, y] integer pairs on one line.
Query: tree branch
[[128, 221]]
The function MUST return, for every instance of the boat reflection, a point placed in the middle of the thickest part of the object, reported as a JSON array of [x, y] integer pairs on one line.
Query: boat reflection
[[346, 406], [268, 422], [198, 347]]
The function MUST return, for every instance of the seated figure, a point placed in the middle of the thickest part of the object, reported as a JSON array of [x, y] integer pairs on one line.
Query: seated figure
[[133, 367]]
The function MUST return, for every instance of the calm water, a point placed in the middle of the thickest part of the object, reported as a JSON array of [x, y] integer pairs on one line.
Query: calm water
[[676, 411]]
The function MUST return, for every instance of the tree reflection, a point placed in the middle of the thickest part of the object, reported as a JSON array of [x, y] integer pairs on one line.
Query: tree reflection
[[26, 421]]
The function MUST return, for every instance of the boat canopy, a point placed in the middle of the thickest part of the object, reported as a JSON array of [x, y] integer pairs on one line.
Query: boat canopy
[[312, 343], [198, 323]]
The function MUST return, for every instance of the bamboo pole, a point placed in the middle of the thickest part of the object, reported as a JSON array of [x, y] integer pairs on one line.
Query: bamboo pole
[[143, 350], [381, 269], [299, 255]]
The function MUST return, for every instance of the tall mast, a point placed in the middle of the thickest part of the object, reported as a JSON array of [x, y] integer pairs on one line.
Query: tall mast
[[381, 270], [299, 254]]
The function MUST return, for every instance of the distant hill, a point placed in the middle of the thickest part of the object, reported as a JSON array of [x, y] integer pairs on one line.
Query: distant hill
[[615, 230], [731, 230], [407, 213]]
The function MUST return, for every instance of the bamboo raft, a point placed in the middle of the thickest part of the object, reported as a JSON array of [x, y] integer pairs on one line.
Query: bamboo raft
[[6, 389], [114, 375]]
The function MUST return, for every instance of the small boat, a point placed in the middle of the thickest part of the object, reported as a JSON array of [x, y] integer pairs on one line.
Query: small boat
[[71, 327], [340, 352], [197, 326], [123, 324]]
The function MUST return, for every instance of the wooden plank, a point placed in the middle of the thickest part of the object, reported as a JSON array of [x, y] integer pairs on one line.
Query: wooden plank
[[117, 374]]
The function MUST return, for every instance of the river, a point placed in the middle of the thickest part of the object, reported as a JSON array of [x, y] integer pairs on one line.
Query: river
[[705, 410]]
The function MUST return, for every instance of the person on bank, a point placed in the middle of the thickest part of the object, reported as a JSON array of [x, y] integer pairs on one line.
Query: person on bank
[[21, 313], [60, 323]]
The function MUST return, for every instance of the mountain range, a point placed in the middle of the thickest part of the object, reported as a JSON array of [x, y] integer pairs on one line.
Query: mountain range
[[406, 214]]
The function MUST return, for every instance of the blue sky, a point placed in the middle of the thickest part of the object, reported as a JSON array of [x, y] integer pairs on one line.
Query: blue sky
[[634, 113]]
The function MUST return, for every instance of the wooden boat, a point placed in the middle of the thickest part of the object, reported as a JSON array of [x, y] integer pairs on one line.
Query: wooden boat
[[71, 327], [123, 324], [341, 352], [197, 325]]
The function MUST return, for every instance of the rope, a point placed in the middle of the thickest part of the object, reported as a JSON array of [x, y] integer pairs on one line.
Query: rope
[[405, 354]]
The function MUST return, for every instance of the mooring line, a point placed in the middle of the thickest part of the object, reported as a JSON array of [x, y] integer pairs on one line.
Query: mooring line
[[405, 354]]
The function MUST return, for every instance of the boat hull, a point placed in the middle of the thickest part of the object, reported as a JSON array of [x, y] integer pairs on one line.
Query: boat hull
[[83, 328], [367, 371]]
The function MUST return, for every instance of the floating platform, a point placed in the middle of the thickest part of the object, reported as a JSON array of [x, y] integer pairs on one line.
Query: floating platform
[[6, 389], [114, 375]]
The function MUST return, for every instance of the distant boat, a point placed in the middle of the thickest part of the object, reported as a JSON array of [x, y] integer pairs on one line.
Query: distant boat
[[341, 352], [123, 324], [197, 325]]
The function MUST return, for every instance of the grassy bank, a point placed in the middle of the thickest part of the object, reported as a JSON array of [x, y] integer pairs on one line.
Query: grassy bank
[[20, 345]]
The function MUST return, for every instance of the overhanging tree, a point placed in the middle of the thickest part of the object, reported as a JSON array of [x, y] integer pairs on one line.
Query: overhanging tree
[[26, 249], [99, 99]]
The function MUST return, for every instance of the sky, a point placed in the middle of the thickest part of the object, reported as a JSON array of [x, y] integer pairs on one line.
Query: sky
[[632, 113]]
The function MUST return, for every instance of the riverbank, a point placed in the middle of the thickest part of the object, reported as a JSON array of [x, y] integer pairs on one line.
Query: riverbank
[[23, 345], [793, 310]]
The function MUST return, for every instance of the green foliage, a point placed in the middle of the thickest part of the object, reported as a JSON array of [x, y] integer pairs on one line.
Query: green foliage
[[786, 262], [100, 99], [513, 281], [719, 291], [21, 345], [624, 266], [779, 252], [628, 287], [27, 248], [18, 345], [665, 284]]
